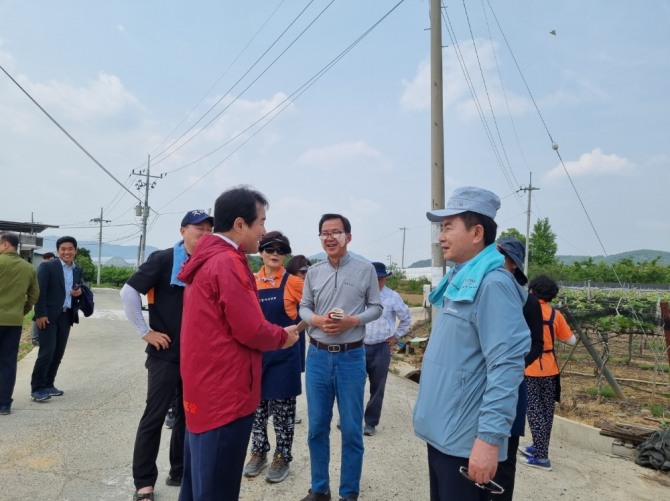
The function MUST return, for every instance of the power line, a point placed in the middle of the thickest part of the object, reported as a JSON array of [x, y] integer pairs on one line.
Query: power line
[[145, 209], [240, 79], [290, 99], [488, 95], [66, 132], [100, 220], [225, 72], [471, 87]]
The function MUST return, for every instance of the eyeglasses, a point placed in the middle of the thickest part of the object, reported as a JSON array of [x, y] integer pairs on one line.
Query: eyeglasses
[[325, 235], [491, 486], [275, 250]]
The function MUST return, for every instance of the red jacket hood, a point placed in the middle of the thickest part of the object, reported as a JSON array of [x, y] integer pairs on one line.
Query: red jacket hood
[[208, 246]]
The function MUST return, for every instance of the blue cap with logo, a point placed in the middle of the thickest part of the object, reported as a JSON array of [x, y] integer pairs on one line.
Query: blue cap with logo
[[380, 268], [196, 216], [468, 199]]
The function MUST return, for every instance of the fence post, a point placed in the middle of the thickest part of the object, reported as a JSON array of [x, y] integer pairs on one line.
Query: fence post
[[594, 354], [665, 319]]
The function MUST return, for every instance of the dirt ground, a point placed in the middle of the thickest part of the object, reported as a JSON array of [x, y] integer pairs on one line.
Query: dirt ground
[[645, 402]]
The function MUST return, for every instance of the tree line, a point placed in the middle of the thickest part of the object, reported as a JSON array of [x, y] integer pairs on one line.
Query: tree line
[[542, 259]]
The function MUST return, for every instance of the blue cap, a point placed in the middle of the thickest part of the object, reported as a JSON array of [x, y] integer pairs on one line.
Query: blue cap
[[196, 217], [468, 199], [380, 268], [515, 250]]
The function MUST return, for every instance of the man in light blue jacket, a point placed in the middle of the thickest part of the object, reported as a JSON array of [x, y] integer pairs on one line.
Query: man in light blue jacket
[[474, 361]]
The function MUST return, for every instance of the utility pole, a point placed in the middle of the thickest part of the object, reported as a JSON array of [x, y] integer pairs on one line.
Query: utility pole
[[100, 220], [144, 211], [436, 136], [402, 258], [529, 189]]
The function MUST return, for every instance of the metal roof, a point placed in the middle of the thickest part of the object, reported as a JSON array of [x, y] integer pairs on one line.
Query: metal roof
[[31, 228]]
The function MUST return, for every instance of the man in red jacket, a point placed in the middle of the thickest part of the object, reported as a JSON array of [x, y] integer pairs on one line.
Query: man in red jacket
[[223, 336]]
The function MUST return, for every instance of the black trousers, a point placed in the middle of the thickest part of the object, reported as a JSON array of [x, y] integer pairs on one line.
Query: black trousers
[[214, 462], [377, 361], [53, 340], [446, 483], [164, 384], [507, 471], [10, 337]]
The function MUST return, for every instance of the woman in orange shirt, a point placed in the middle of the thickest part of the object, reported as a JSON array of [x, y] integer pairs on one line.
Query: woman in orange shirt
[[542, 376], [279, 294]]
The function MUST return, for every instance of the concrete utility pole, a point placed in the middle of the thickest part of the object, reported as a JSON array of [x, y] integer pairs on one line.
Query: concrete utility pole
[[100, 220], [402, 258], [436, 136], [144, 211], [529, 189]]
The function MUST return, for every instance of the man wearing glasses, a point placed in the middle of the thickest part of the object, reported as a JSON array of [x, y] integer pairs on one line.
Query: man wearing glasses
[[474, 361], [340, 296]]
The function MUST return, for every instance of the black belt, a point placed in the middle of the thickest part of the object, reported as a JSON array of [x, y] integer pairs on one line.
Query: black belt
[[336, 348], [66, 309]]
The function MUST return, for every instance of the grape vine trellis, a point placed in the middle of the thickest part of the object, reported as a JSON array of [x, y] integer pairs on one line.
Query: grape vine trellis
[[607, 314]]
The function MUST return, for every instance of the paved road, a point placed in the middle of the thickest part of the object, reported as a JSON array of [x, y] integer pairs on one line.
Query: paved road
[[79, 446]]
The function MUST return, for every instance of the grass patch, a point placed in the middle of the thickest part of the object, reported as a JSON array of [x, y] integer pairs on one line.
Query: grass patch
[[25, 345], [657, 410], [606, 392], [650, 367], [657, 346], [412, 300]]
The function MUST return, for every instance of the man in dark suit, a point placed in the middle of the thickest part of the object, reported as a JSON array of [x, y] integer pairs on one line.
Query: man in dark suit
[[55, 312]]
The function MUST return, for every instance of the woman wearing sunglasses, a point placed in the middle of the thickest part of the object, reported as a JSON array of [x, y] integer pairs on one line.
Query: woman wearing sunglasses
[[280, 294]]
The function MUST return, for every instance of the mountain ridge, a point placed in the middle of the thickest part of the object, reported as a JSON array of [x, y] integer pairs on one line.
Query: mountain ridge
[[107, 250], [638, 256]]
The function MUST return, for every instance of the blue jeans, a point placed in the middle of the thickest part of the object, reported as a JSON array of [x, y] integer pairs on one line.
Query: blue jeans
[[330, 376]]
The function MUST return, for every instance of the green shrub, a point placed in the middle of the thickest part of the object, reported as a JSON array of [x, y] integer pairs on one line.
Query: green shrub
[[413, 286], [115, 275]]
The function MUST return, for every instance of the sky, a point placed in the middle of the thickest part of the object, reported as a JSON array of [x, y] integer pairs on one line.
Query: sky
[[324, 106]]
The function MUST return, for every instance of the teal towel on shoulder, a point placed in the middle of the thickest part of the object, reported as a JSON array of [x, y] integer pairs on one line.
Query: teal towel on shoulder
[[464, 285], [180, 255]]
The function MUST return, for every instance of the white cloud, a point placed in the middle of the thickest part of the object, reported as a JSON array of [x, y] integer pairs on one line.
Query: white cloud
[[456, 92], [7, 60], [363, 207], [595, 163], [416, 96], [240, 114], [576, 89], [338, 155], [295, 204], [104, 97]]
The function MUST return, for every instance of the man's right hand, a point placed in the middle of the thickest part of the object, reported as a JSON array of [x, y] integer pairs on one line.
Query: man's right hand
[[42, 322], [292, 338], [158, 340]]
